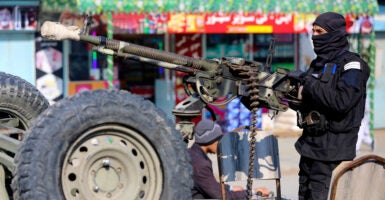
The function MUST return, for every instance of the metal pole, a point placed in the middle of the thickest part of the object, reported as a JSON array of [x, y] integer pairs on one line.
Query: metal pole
[[110, 59], [372, 56], [219, 157]]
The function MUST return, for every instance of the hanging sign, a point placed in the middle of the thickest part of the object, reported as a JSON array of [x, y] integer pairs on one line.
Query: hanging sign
[[230, 23], [249, 23]]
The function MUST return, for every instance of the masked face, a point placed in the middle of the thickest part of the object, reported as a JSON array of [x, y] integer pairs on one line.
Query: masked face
[[320, 39], [329, 42]]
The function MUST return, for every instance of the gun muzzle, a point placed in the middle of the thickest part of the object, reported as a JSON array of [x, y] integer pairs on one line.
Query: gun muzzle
[[57, 31]]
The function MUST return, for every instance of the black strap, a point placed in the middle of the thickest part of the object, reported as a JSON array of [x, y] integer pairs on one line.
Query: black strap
[[328, 71]]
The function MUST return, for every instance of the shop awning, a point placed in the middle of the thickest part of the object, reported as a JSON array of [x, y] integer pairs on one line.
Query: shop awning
[[206, 6], [191, 16]]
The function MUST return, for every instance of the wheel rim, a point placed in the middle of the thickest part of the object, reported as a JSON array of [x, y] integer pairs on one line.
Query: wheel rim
[[9, 114], [112, 162]]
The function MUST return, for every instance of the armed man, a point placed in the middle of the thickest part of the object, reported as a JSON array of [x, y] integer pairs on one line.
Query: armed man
[[333, 92]]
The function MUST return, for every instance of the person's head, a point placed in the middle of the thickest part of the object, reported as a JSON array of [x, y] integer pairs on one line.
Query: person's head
[[329, 36], [207, 134], [329, 22]]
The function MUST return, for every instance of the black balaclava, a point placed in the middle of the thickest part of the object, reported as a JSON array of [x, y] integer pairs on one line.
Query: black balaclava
[[327, 46]]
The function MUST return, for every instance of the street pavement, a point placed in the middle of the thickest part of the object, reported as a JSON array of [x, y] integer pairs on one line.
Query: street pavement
[[289, 160]]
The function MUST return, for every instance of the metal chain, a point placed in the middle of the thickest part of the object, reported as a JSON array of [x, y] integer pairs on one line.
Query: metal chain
[[254, 106], [253, 129]]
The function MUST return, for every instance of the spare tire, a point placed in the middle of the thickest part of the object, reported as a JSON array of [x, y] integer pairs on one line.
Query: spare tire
[[103, 145], [20, 104]]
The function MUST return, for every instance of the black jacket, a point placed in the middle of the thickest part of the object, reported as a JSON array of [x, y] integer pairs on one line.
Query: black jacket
[[338, 94], [205, 184]]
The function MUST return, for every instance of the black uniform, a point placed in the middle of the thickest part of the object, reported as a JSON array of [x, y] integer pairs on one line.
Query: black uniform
[[334, 92], [337, 92]]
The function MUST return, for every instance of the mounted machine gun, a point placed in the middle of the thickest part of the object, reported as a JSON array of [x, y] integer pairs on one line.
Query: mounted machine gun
[[215, 82]]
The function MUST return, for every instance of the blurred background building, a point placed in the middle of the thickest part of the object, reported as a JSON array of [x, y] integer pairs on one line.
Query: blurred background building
[[208, 29]]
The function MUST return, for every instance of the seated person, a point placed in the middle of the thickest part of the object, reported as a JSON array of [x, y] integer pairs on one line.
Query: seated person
[[207, 135]]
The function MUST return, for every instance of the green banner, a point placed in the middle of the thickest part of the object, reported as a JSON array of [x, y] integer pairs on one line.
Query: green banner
[[277, 6], [59, 5]]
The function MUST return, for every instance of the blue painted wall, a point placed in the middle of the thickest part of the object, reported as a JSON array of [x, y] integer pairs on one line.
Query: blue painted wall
[[17, 54], [379, 83]]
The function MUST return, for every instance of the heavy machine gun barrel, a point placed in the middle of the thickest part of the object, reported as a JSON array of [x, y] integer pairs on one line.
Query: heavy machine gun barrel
[[56, 31], [151, 53]]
